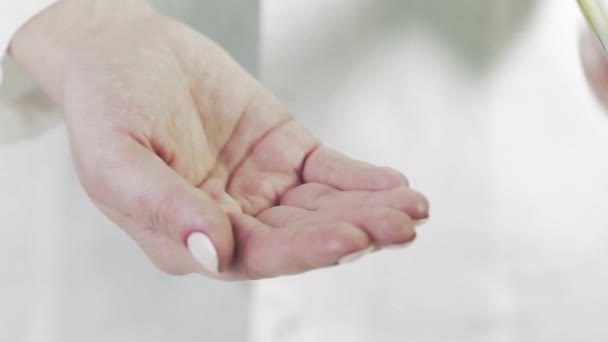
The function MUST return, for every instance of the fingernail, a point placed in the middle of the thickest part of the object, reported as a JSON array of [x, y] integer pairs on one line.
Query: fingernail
[[401, 246], [421, 222], [350, 258], [203, 251]]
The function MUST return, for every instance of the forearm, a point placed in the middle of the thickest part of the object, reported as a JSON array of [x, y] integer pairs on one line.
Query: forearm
[[48, 45]]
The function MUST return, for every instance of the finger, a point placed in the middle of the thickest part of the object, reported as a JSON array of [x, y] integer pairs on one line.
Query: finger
[[315, 196], [595, 65], [264, 252], [334, 169], [138, 183], [384, 226]]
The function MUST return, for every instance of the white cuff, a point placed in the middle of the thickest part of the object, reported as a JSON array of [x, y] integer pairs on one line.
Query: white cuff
[[13, 15]]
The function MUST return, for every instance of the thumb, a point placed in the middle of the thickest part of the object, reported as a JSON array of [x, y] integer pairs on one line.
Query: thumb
[[595, 64], [139, 184]]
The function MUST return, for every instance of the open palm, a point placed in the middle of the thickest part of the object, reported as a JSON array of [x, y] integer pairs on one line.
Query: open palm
[[176, 143]]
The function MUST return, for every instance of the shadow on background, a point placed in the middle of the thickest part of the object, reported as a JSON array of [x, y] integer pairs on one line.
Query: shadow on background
[[231, 23], [475, 32]]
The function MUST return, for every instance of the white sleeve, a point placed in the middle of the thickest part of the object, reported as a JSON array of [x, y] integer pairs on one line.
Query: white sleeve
[[14, 14]]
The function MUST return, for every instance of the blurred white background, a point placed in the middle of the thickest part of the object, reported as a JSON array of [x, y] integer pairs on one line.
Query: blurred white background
[[482, 103]]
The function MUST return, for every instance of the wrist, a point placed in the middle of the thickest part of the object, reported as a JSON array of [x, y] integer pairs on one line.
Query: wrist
[[47, 45]]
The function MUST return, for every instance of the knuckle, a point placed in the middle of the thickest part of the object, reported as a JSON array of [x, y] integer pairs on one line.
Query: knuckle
[[163, 210]]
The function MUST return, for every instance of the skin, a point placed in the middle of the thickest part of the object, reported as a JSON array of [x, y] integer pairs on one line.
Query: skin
[[170, 136], [595, 65]]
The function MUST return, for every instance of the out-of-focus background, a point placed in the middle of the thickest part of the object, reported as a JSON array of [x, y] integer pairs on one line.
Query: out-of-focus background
[[482, 104]]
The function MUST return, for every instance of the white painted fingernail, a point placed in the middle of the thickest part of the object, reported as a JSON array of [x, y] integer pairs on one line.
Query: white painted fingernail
[[203, 251], [350, 258], [421, 222], [401, 246]]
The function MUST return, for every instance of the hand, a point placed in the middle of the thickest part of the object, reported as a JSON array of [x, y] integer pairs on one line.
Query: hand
[[595, 63], [181, 148]]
